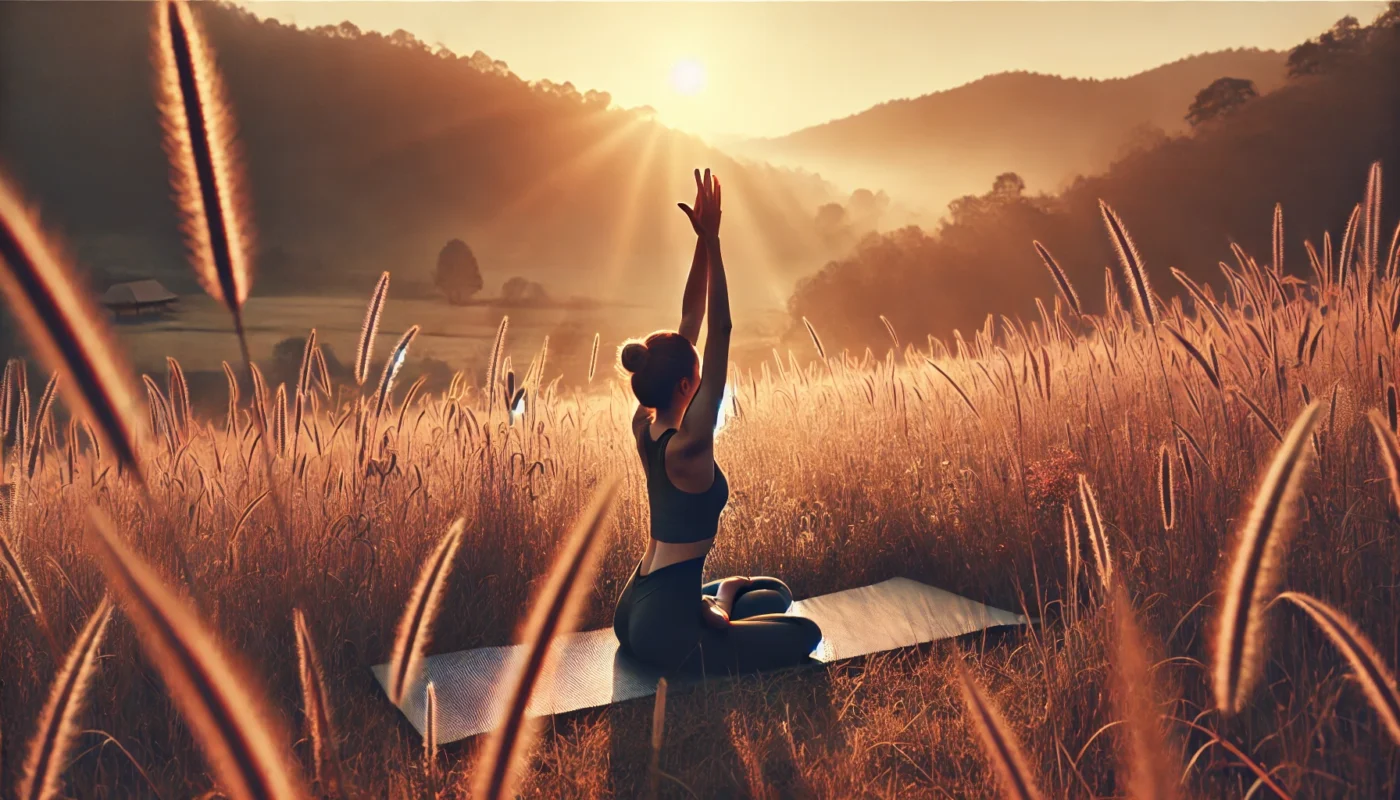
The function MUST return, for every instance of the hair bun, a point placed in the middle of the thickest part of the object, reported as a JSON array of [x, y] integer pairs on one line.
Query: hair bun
[[634, 356]]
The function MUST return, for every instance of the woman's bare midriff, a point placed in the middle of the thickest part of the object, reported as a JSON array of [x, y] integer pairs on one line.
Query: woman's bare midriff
[[663, 554]]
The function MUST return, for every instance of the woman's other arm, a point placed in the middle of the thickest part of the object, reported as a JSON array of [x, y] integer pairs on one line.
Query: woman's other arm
[[693, 302]]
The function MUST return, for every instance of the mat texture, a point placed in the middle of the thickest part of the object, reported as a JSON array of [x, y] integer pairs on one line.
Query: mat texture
[[592, 672]]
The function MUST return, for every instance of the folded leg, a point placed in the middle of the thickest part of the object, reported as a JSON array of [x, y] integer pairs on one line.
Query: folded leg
[[767, 641], [763, 595]]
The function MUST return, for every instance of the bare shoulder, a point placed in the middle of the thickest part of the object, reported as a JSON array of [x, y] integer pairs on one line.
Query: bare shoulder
[[691, 449]]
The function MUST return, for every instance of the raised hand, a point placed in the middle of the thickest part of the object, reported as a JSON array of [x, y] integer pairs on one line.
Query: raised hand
[[705, 216]]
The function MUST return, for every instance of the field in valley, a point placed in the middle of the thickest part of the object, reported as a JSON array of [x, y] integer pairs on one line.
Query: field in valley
[[954, 463]]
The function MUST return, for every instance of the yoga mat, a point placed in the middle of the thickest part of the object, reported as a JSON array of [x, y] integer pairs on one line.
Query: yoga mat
[[591, 672]]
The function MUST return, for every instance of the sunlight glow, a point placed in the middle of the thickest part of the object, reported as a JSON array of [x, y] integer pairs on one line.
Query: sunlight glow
[[725, 408], [688, 76]]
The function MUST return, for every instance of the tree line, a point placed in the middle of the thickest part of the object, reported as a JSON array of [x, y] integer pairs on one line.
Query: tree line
[[1185, 199]]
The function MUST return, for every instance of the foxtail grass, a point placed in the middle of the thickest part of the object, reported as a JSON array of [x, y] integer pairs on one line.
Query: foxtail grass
[[58, 720], [1197, 356], [1098, 539], [179, 390], [1366, 665], [997, 739], [1133, 267], [1390, 452], [41, 423], [1150, 776], [1259, 413], [325, 757], [1371, 225], [391, 369], [199, 143], [593, 357], [1061, 279], [1165, 488], [66, 332], [430, 731], [7, 404], [1254, 569], [228, 717], [889, 328], [1392, 260], [364, 350], [48, 749], [968, 400], [1072, 564], [411, 637], [553, 612], [24, 587], [816, 340], [497, 348]]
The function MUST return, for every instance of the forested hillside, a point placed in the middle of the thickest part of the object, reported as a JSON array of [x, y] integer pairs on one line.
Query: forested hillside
[[366, 152], [1048, 129], [1306, 145]]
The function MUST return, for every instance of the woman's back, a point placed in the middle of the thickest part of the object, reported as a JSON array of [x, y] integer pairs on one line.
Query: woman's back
[[679, 516]]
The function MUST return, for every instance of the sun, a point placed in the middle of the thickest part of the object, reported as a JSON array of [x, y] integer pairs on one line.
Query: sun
[[688, 76]]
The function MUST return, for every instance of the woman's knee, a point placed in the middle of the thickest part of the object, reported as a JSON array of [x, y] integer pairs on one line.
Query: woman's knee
[[754, 602], [765, 583], [809, 633]]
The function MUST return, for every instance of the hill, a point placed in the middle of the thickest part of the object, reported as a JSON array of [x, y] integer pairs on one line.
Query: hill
[[1046, 128], [367, 152], [1307, 145]]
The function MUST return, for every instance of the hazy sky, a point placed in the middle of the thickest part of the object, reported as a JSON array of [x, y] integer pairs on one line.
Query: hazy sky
[[762, 69]]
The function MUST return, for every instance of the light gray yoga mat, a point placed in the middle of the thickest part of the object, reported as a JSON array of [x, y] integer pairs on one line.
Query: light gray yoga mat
[[591, 672]]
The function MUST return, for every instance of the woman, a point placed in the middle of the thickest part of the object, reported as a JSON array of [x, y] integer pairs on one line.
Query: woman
[[664, 616]]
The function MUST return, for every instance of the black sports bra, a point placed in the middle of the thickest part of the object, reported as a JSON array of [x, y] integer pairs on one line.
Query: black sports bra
[[678, 516]]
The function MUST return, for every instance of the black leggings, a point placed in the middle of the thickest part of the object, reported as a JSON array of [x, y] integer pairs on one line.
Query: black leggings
[[659, 621]]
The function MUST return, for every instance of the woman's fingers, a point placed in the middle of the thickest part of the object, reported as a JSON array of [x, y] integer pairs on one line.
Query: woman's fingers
[[693, 217]]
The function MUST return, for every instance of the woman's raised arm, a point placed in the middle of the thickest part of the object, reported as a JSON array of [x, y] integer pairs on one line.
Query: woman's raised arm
[[698, 428], [693, 301]]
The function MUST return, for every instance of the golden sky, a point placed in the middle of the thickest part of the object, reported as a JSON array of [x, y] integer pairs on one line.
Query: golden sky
[[764, 69]]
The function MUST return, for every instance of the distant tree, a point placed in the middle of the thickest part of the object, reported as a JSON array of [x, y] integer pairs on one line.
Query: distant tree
[[1143, 138], [833, 225], [458, 275], [1008, 186], [1220, 99], [522, 291], [831, 216], [866, 207], [1390, 18], [1316, 56], [403, 38]]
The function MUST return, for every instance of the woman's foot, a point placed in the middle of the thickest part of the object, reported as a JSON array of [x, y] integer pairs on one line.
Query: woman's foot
[[729, 591], [713, 615]]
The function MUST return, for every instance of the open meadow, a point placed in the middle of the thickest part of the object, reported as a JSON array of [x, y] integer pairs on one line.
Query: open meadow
[[213, 525], [953, 463], [451, 338]]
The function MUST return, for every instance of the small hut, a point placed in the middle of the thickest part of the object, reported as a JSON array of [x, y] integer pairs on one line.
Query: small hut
[[139, 298]]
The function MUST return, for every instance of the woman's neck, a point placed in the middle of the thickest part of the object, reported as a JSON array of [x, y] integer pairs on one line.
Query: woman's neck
[[668, 419]]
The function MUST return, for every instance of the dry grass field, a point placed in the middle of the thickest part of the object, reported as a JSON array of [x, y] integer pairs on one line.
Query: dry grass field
[[846, 471], [1196, 501]]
